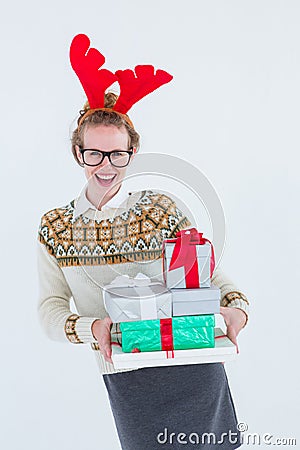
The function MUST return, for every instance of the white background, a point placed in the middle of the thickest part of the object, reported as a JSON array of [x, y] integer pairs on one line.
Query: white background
[[233, 111]]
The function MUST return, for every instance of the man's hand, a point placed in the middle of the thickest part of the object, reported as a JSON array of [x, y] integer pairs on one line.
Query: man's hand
[[101, 332], [235, 320]]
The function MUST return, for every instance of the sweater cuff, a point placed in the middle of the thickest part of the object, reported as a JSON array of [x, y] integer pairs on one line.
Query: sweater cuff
[[78, 329], [237, 300]]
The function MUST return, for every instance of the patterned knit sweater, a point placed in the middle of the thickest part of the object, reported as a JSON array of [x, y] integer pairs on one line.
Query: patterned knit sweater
[[78, 255]]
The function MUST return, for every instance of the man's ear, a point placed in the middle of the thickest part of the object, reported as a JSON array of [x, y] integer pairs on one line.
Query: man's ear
[[134, 153], [79, 155]]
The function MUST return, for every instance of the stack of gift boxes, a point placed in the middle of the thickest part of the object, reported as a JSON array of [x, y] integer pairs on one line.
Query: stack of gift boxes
[[178, 314]]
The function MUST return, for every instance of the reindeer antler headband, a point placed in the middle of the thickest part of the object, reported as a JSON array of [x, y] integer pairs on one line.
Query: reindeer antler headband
[[86, 63]]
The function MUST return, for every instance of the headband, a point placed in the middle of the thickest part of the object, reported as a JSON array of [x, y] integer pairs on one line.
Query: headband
[[134, 85], [89, 112]]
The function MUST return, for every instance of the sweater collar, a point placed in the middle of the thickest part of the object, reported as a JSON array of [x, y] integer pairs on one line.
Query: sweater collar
[[82, 204]]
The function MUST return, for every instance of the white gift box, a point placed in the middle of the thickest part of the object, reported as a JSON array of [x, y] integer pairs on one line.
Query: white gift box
[[223, 351], [191, 302], [129, 299], [175, 278]]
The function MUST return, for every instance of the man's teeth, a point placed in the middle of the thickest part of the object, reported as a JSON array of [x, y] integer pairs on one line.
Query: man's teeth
[[105, 177]]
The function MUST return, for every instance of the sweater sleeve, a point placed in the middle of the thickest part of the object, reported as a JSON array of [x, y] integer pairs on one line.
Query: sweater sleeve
[[231, 296], [55, 315]]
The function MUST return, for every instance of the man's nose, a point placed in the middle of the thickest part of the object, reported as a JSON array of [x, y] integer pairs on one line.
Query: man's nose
[[105, 162]]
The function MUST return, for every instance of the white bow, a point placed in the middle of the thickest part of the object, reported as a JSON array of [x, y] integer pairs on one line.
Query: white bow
[[125, 281]]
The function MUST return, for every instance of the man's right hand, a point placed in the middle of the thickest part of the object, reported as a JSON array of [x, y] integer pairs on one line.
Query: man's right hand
[[101, 332]]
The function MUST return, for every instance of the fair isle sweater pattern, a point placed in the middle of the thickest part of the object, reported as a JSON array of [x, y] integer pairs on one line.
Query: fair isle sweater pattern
[[134, 235], [130, 234]]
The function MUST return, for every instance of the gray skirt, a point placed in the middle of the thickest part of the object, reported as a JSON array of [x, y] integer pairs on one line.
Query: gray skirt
[[175, 407]]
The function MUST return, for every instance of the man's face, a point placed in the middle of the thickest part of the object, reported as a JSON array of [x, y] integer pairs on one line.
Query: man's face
[[104, 180]]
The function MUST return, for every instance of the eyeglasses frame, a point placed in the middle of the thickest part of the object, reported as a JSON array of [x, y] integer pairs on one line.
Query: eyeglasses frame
[[104, 154]]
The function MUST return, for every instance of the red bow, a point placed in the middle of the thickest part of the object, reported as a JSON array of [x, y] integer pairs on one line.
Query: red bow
[[184, 255]]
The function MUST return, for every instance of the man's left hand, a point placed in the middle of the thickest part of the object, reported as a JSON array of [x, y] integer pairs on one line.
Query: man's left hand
[[235, 320]]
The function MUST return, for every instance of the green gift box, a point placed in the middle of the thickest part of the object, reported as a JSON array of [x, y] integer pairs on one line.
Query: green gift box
[[176, 333]]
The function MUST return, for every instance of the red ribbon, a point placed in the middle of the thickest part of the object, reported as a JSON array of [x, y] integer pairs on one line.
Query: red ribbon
[[185, 255], [166, 336]]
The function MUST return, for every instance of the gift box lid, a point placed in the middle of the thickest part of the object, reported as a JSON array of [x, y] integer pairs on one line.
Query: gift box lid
[[133, 292], [202, 320], [223, 351], [202, 250], [130, 303], [195, 294]]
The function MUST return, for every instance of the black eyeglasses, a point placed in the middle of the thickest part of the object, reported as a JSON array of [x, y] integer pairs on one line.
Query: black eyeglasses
[[117, 158]]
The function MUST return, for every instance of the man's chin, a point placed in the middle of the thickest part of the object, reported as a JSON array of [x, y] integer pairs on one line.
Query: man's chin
[[102, 192]]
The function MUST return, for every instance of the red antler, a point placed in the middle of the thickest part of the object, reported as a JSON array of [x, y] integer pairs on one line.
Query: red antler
[[135, 86], [86, 62]]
